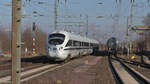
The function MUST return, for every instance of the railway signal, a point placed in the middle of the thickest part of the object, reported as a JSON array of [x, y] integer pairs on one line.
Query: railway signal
[[34, 27], [33, 45]]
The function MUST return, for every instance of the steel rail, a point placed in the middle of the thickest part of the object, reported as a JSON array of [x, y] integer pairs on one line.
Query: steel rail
[[118, 80], [144, 65], [7, 78], [34, 72], [136, 76]]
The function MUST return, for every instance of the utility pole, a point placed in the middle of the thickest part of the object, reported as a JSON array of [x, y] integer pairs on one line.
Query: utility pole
[[80, 25], [131, 12], [127, 37], [118, 2], [56, 14], [94, 32], [16, 41], [87, 25]]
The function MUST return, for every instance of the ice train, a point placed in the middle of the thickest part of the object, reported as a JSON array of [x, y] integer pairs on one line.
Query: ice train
[[62, 45]]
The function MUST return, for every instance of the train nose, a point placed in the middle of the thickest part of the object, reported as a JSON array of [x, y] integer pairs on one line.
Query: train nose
[[52, 51]]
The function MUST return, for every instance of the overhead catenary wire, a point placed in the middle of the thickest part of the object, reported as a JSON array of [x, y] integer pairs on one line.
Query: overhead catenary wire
[[116, 18], [36, 11]]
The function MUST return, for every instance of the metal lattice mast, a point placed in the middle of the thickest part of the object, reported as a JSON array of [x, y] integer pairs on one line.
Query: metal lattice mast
[[131, 12], [127, 36], [87, 25], [131, 23], [80, 25], [55, 14]]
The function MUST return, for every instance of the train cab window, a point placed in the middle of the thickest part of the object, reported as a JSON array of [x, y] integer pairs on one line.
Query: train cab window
[[56, 39], [69, 43]]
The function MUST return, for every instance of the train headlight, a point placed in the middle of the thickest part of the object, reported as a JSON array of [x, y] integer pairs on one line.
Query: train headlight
[[49, 48]]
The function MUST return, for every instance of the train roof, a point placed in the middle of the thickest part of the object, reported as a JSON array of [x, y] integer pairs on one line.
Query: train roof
[[77, 37]]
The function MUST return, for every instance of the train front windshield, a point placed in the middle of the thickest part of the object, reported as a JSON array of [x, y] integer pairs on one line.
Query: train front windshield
[[56, 39]]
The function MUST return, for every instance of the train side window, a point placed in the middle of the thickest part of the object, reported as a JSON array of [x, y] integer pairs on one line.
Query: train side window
[[94, 45], [91, 44], [80, 43], [73, 43], [77, 43], [69, 43], [86, 44], [83, 43]]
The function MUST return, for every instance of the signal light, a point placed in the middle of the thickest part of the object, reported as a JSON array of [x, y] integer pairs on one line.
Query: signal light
[[33, 46]]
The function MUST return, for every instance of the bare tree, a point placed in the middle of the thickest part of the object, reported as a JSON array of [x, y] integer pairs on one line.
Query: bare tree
[[146, 20], [27, 40], [40, 41], [5, 42]]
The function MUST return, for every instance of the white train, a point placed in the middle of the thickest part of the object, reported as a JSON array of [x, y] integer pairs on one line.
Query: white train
[[62, 45]]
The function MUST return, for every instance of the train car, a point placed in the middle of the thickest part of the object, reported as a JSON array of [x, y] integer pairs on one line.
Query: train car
[[62, 45], [112, 46]]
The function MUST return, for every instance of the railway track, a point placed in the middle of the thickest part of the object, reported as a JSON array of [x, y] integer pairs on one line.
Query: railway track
[[26, 74], [114, 72], [124, 74], [25, 62], [144, 65], [4, 61], [29, 73], [32, 73], [7, 72]]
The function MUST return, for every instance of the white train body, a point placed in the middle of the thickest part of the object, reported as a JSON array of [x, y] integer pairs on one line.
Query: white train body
[[62, 45]]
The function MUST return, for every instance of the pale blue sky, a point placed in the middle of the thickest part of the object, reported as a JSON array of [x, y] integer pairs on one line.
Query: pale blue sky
[[104, 26]]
